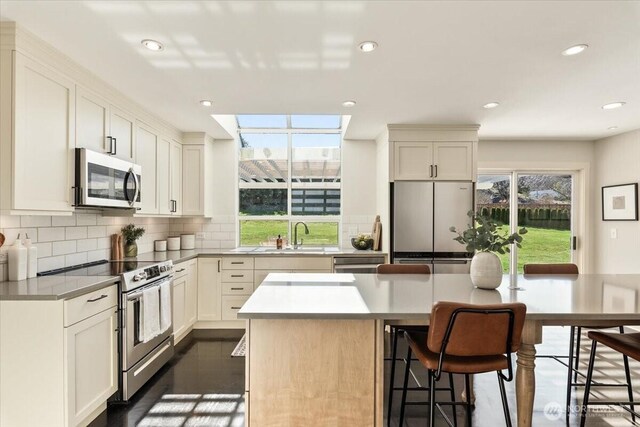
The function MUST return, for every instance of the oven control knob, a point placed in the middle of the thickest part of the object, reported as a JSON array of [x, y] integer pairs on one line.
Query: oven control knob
[[163, 268], [137, 278]]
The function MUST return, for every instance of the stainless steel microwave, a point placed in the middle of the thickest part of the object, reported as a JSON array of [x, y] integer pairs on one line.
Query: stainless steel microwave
[[105, 181]]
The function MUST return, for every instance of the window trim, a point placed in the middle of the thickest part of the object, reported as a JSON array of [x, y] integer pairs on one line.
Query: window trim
[[290, 184]]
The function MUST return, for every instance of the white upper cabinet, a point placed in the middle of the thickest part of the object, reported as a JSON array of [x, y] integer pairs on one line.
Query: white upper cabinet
[[146, 157], [103, 127], [433, 152], [197, 181], [453, 161], [176, 177], [165, 205], [44, 120], [413, 161], [122, 130]]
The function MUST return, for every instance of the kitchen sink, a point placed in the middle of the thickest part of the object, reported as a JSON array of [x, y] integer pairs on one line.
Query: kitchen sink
[[303, 249]]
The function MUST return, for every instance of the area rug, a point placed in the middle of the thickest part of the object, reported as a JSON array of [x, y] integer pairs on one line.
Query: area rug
[[241, 347]]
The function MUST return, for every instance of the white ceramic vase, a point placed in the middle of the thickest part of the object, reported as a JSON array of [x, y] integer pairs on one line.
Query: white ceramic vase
[[486, 270]]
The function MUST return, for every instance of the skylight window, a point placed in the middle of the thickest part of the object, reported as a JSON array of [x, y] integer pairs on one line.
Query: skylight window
[[262, 121]]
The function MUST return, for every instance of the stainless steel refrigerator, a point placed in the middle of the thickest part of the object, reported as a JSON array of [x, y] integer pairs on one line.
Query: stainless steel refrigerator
[[422, 214]]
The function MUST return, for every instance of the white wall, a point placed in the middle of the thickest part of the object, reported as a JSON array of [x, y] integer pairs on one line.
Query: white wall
[[382, 186], [618, 162], [358, 188]]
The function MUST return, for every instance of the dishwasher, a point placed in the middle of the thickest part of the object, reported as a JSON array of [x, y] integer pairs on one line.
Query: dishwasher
[[357, 264]]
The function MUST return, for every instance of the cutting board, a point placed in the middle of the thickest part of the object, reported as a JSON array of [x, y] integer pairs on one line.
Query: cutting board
[[377, 234]]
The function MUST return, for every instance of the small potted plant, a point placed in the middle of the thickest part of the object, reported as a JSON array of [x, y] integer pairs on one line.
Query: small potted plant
[[483, 238], [131, 233]]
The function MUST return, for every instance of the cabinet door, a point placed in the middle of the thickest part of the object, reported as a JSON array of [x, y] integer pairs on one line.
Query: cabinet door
[[92, 121], [179, 321], [191, 298], [209, 289], [192, 180], [122, 129], [453, 161], [92, 364], [163, 174], [146, 155], [176, 176], [43, 137], [412, 161]]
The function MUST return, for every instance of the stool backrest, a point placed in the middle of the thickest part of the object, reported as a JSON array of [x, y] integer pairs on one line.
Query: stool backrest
[[403, 269], [551, 269], [458, 329]]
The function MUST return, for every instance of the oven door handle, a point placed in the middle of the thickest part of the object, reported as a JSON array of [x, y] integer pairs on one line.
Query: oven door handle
[[136, 295]]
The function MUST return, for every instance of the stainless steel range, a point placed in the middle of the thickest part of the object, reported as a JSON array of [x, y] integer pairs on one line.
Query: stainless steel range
[[140, 356]]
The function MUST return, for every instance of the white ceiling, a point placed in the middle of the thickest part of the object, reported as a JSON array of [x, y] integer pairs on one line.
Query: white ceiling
[[437, 62]]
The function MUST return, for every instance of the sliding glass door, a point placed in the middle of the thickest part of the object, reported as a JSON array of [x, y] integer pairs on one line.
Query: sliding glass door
[[543, 202]]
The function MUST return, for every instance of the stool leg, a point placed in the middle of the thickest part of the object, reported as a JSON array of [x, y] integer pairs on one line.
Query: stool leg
[[453, 399], [405, 385], [505, 403], [394, 350], [629, 388], [577, 353], [570, 372], [469, 393], [587, 389], [432, 399]]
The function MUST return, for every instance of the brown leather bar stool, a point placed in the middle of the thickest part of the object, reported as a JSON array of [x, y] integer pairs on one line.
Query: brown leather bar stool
[[466, 339], [573, 361], [629, 346], [399, 329]]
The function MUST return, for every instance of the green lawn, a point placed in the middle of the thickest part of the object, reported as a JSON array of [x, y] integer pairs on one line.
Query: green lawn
[[257, 233], [541, 245]]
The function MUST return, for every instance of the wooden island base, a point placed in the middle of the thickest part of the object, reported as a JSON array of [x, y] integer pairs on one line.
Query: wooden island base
[[314, 372]]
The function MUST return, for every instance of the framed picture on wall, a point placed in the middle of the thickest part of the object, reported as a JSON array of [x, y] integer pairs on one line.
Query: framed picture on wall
[[620, 202]]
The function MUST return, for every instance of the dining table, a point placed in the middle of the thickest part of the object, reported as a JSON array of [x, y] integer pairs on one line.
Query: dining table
[[315, 341]]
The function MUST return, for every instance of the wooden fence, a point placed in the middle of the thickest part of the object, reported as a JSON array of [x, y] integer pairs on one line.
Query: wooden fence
[[557, 217]]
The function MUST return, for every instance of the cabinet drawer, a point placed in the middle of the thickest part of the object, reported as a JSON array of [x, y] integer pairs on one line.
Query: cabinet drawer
[[237, 263], [231, 305], [237, 288], [180, 270], [84, 306], [294, 263], [237, 276]]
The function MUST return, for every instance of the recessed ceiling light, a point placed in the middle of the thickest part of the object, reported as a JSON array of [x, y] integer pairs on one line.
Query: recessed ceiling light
[[612, 127], [206, 103], [368, 46], [613, 105], [574, 50], [152, 44], [491, 105], [348, 103]]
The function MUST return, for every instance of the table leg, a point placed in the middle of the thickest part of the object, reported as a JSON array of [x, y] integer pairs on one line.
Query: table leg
[[525, 375]]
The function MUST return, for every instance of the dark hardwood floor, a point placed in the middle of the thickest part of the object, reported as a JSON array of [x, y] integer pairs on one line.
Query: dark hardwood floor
[[203, 386]]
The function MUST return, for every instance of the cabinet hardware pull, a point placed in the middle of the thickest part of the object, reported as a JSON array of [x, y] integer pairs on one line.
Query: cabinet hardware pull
[[115, 146], [237, 289], [218, 266], [110, 150], [98, 298], [236, 308], [237, 275], [237, 262], [430, 171], [180, 271], [436, 171]]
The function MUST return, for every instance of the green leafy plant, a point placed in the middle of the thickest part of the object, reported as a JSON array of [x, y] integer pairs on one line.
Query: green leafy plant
[[131, 233], [482, 235]]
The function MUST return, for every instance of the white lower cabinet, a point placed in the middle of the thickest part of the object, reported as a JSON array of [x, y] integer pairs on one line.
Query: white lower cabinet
[[209, 289], [185, 298], [92, 364], [231, 305]]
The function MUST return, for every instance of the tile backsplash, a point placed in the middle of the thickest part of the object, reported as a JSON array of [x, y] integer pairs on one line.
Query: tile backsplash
[[217, 232], [69, 240]]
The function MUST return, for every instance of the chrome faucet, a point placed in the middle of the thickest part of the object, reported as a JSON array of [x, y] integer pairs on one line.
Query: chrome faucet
[[295, 234]]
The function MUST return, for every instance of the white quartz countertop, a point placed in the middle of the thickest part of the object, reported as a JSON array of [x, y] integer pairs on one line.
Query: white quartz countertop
[[396, 297]]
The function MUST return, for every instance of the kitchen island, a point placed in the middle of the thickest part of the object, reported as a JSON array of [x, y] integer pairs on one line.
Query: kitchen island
[[315, 348]]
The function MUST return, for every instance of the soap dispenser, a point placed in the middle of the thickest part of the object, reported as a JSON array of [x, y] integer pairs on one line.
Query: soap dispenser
[[279, 242], [17, 261], [32, 258]]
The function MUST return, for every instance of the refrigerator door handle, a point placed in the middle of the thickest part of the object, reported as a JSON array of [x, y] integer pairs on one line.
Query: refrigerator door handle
[[451, 261]]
